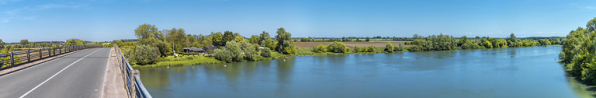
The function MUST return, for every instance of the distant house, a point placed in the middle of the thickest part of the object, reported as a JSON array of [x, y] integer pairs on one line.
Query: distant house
[[193, 50]]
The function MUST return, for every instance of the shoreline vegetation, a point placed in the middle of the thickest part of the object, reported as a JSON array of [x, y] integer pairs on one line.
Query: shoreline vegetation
[[154, 48], [578, 54]]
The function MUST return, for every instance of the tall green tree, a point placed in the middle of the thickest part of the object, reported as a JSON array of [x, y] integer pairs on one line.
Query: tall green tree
[[591, 25], [217, 39], [513, 40], [74, 41], [264, 38], [119, 43], [228, 36], [1, 44], [177, 37], [284, 42], [254, 39], [146, 31], [24, 42]]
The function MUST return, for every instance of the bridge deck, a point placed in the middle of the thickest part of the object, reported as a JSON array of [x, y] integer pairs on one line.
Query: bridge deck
[[78, 75]]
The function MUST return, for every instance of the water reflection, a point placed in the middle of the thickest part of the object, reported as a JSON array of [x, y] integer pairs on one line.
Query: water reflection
[[497, 73]]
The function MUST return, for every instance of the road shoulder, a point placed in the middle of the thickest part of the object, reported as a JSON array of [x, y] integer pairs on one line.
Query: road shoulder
[[113, 85]]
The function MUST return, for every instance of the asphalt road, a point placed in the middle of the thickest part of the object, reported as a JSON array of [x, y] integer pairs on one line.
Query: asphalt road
[[78, 75]]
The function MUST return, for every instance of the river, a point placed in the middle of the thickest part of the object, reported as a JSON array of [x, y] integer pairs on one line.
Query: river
[[530, 72]]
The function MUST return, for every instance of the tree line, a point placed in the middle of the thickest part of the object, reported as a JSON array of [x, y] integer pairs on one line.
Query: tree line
[[153, 42], [445, 42], [578, 54]]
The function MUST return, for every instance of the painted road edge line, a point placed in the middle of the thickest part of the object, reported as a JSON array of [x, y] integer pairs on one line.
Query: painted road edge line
[[57, 73], [105, 75]]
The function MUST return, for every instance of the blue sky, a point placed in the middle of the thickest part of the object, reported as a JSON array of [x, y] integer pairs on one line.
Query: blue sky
[[106, 20]]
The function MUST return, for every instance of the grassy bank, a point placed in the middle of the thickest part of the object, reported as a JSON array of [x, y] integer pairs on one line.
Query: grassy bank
[[196, 60]]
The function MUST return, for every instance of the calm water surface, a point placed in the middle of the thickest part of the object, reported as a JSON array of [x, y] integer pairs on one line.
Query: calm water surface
[[488, 73]]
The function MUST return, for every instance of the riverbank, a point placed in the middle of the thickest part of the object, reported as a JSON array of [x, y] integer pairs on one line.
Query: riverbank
[[197, 60], [501, 72], [302, 51]]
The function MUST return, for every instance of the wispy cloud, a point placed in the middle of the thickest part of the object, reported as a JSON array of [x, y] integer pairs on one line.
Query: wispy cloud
[[15, 13], [50, 6], [591, 7], [2, 2], [582, 7]]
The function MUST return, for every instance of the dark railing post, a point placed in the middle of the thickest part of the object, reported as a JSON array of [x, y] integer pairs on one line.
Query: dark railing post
[[28, 56], [40, 54], [11, 59]]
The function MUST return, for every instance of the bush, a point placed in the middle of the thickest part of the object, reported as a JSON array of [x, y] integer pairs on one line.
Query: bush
[[266, 52], [235, 49], [159, 44], [146, 54], [389, 48], [396, 49], [414, 48], [249, 51], [371, 48], [356, 49], [321, 48], [337, 47], [223, 55]]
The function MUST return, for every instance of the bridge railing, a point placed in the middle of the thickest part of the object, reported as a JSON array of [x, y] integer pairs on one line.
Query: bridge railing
[[13, 59], [133, 83]]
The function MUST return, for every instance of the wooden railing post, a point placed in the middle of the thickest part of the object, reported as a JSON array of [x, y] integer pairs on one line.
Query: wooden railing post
[[11, 59], [40, 54], [28, 56]]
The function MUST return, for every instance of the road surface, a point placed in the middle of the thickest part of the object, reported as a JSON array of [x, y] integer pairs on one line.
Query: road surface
[[78, 75]]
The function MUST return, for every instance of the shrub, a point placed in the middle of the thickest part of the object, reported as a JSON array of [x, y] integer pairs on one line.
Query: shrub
[[337, 47], [145, 54], [396, 49], [249, 51], [321, 48], [356, 49], [235, 49], [266, 52], [371, 48], [389, 48], [414, 48], [223, 55]]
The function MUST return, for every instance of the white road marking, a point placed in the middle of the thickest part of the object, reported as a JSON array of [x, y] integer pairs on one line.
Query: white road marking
[[57, 73]]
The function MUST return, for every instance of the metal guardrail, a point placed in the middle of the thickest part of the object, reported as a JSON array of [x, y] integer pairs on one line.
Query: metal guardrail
[[133, 83], [17, 58]]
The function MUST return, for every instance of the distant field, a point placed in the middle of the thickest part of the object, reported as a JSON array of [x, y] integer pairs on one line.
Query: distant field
[[377, 44]]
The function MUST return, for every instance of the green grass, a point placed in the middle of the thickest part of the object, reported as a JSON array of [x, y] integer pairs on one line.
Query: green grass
[[180, 61], [306, 51], [554, 45], [197, 60]]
